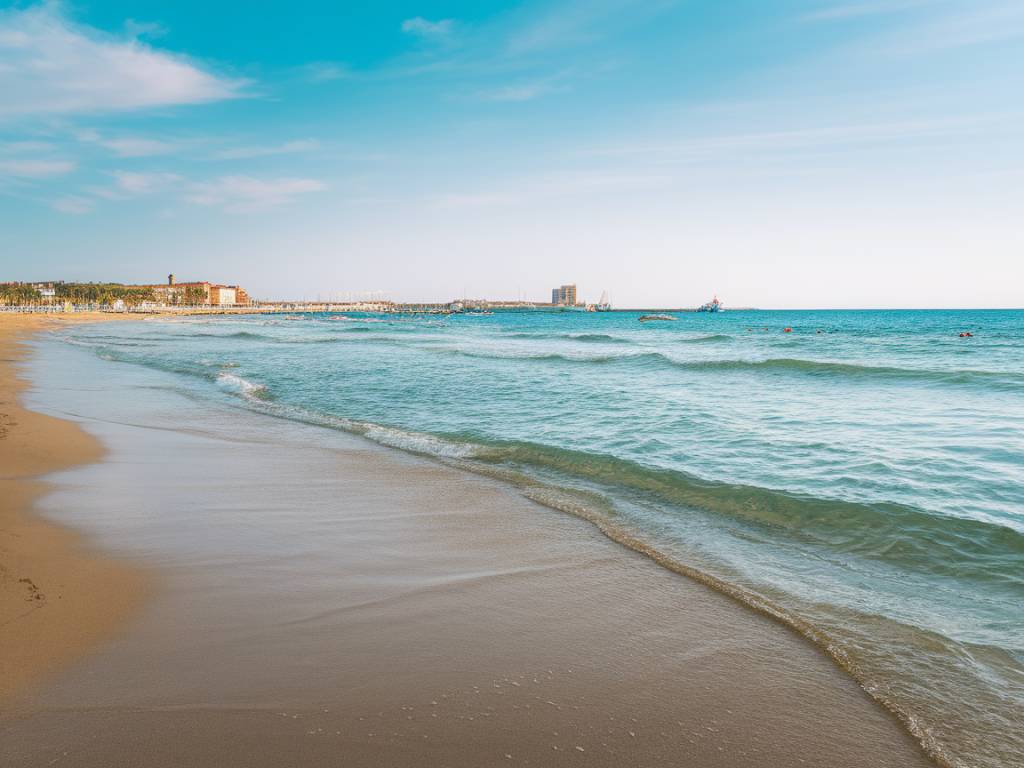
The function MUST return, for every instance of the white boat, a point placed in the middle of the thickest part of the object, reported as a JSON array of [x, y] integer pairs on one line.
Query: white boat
[[605, 304]]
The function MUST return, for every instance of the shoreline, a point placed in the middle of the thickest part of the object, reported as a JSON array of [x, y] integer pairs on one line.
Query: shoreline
[[369, 593], [59, 598]]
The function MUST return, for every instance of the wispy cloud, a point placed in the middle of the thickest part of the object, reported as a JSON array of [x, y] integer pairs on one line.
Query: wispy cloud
[[23, 147], [429, 30], [836, 11], [528, 90], [73, 205], [242, 194], [518, 92], [526, 190], [324, 71], [971, 24], [839, 136], [928, 26], [49, 65], [574, 23], [127, 146], [35, 169], [143, 183], [137, 146], [287, 148]]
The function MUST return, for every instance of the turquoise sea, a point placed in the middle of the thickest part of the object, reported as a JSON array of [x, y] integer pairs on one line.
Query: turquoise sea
[[860, 478]]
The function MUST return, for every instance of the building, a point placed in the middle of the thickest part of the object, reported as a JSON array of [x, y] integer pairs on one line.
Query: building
[[47, 291], [223, 295], [198, 293], [564, 296]]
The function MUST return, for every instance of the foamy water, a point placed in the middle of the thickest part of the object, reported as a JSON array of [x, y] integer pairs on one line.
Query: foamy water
[[861, 478]]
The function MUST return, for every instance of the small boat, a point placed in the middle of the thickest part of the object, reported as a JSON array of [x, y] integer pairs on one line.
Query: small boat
[[605, 304], [649, 318], [712, 306]]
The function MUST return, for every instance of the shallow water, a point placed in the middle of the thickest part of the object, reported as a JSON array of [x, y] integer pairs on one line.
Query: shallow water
[[861, 478]]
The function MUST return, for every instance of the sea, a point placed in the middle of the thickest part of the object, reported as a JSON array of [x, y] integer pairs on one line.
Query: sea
[[856, 475]]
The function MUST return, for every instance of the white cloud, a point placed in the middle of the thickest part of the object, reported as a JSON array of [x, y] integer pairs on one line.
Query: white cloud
[[49, 65], [127, 146], [240, 194], [35, 169], [143, 183], [428, 29], [137, 146], [73, 205], [19, 147], [287, 148]]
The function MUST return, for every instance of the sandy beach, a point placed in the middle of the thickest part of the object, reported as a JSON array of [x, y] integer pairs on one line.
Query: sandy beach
[[58, 598], [327, 601]]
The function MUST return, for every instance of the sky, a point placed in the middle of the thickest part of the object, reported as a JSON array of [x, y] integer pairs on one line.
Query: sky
[[792, 153]]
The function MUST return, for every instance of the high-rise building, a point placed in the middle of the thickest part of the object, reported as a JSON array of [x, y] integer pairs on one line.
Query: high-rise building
[[564, 296]]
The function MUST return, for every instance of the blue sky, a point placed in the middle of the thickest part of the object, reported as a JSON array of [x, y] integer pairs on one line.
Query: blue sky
[[794, 153]]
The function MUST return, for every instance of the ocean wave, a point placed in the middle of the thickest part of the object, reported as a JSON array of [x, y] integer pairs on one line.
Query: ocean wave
[[995, 379], [596, 338], [233, 335], [600, 338], [240, 386], [894, 533], [414, 442], [898, 534], [714, 337]]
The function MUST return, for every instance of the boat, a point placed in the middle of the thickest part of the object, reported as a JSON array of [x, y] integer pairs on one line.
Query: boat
[[605, 304], [712, 306], [649, 318]]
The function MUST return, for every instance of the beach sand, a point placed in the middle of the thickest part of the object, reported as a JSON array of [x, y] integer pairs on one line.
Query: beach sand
[[58, 598], [327, 601]]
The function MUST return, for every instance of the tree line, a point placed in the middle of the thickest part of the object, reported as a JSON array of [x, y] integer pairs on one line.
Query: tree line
[[19, 293], [103, 294]]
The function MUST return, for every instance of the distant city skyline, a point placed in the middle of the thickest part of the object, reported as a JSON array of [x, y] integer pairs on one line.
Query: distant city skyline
[[796, 154]]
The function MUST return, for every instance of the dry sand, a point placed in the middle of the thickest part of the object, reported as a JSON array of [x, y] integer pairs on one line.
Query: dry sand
[[57, 597]]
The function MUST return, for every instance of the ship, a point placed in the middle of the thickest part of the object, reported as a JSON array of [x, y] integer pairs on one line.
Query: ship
[[712, 306], [605, 304]]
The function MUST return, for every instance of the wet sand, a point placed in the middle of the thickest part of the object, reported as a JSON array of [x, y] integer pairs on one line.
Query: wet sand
[[58, 598], [326, 601]]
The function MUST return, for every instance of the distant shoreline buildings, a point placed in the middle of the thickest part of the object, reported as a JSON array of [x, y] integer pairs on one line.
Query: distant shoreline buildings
[[207, 297], [564, 296], [199, 293], [171, 293]]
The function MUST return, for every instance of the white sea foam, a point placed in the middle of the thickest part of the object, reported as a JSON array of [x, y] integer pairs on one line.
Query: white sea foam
[[240, 386], [417, 442]]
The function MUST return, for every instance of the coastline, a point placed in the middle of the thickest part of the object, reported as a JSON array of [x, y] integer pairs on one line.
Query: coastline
[[58, 597], [331, 598]]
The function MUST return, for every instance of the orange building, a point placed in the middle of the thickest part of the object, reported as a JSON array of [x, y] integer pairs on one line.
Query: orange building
[[205, 293]]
